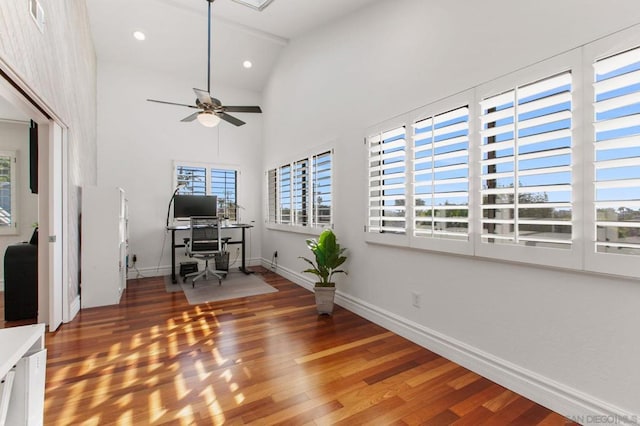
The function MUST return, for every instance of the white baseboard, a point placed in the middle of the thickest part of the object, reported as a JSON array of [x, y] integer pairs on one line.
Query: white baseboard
[[569, 402], [164, 270]]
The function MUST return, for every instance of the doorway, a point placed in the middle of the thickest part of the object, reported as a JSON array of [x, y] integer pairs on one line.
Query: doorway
[[50, 203]]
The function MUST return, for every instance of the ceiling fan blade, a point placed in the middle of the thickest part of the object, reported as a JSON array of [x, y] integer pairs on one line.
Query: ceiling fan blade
[[230, 119], [242, 109], [171, 103], [203, 96], [191, 117]]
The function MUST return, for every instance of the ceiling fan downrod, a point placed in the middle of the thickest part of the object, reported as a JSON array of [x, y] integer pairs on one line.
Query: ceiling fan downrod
[[209, 46]]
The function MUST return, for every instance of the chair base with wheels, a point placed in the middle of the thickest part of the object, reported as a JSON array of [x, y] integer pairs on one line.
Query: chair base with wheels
[[208, 270]]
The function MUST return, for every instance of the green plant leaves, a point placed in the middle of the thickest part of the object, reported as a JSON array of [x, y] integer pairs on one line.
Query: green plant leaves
[[328, 257]]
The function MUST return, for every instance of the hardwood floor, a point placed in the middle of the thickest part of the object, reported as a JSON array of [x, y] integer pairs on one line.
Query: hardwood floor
[[270, 359]]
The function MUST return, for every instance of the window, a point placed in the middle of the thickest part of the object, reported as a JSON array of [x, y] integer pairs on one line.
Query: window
[[322, 196], [526, 182], [200, 179], [8, 207], [300, 184], [299, 193], [193, 178], [224, 185], [387, 181], [551, 177], [617, 153], [285, 194], [441, 175]]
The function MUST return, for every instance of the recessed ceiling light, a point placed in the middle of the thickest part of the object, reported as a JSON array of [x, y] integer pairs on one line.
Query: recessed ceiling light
[[247, 64], [255, 4], [139, 35]]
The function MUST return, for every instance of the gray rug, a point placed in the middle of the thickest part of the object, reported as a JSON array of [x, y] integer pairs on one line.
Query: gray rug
[[235, 285]]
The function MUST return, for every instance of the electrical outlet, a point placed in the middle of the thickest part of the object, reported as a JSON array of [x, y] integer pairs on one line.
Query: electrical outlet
[[415, 299]]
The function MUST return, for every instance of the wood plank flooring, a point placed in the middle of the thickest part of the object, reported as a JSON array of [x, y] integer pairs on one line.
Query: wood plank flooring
[[269, 359]]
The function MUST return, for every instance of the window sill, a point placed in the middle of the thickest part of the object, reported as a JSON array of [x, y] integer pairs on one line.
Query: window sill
[[296, 229]]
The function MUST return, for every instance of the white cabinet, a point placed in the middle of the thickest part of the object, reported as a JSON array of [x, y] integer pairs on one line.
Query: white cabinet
[[103, 246], [23, 360]]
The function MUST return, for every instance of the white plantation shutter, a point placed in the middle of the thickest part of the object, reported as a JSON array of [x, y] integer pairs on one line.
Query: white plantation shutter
[[272, 194], [284, 188], [224, 185], [322, 193], [300, 192], [526, 142], [441, 175], [193, 178], [617, 153], [387, 182]]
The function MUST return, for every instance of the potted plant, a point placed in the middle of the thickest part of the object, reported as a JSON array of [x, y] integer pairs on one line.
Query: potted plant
[[328, 258]]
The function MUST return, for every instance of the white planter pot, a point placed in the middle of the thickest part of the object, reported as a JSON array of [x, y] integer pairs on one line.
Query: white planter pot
[[324, 299]]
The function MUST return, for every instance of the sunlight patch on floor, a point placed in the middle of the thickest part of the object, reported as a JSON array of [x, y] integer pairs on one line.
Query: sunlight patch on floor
[[114, 352], [220, 360], [181, 386], [185, 416], [136, 341], [126, 418], [101, 392], [172, 344], [125, 400], [156, 409], [88, 365], [132, 369], [201, 370], [191, 339]]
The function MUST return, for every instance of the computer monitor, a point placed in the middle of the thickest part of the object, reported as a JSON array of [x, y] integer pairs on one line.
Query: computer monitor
[[185, 206]]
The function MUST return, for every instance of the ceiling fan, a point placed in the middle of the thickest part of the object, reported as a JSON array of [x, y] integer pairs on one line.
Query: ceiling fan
[[211, 109]]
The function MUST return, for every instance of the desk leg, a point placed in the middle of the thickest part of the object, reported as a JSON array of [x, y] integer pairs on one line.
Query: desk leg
[[173, 256], [243, 268]]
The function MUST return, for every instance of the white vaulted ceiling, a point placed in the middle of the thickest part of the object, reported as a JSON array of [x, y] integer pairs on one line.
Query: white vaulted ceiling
[[176, 32]]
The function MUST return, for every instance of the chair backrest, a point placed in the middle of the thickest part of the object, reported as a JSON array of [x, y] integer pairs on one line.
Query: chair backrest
[[205, 234]]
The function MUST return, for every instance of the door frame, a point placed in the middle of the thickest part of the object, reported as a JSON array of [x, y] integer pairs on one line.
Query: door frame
[[54, 303]]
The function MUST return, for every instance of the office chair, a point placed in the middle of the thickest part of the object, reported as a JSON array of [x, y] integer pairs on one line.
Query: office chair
[[206, 243]]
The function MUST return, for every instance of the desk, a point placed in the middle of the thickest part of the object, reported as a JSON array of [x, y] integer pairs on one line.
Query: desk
[[186, 227]]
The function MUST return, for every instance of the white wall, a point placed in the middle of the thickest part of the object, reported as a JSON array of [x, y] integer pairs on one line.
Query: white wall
[[58, 67], [15, 137], [138, 142], [573, 332]]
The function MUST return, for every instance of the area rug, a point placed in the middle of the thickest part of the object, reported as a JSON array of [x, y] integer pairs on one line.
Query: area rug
[[235, 285]]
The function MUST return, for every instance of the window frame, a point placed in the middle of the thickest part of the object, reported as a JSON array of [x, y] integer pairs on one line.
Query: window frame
[[274, 199], [570, 258], [12, 228], [466, 98], [408, 239]]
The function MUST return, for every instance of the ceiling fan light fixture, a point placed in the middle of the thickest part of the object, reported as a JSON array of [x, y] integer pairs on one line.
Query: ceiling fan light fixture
[[255, 4], [208, 119]]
